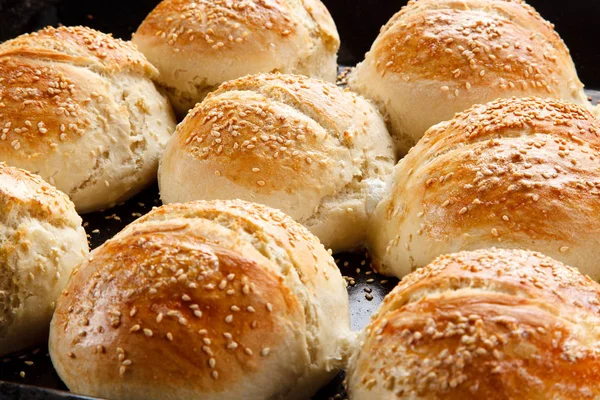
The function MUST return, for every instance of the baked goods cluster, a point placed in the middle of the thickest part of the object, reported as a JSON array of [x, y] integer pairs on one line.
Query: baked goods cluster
[[229, 290]]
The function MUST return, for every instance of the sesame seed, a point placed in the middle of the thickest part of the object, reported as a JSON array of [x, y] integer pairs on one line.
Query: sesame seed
[[265, 351], [232, 346]]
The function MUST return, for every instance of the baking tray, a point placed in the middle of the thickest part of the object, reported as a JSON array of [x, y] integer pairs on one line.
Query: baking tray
[[29, 374]]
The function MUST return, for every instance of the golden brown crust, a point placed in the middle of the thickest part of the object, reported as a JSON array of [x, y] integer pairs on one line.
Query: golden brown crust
[[267, 135], [436, 58], [520, 273], [185, 308], [43, 105], [262, 222], [532, 161], [45, 99], [78, 107], [487, 324], [252, 153], [475, 43], [511, 173], [297, 144], [218, 27], [82, 46], [210, 299]]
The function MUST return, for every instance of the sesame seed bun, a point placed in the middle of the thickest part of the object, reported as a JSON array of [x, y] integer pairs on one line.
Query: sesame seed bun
[[301, 145], [438, 57], [514, 173], [197, 45], [489, 324], [41, 241], [79, 108], [212, 300]]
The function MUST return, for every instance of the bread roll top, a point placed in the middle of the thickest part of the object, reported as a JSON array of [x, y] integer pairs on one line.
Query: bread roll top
[[78, 107], [211, 299], [511, 173], [485, 324], [302, 145], [436, 58]]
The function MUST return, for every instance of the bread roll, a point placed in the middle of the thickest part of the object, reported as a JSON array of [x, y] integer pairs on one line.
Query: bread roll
[[79, 108], [199, 44], [514, 173], [438, 57], [41, 241], [213, 300], [302, 145], [491, 324]]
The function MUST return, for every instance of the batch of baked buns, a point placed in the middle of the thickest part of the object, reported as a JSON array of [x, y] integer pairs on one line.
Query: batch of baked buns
[[464, 155]]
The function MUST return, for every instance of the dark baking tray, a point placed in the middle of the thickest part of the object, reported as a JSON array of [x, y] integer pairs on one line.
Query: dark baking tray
[[29, 374]]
